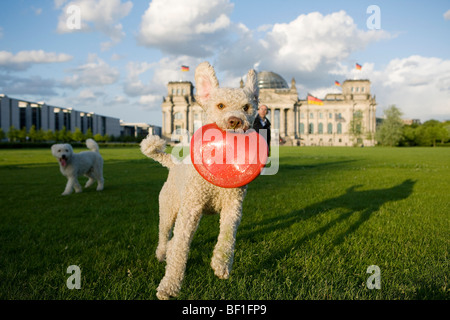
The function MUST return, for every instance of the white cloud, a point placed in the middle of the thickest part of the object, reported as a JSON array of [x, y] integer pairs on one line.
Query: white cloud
[[306, 48], [419, 86], [98, 15], [150, 100], [95, 72], [25, 59], [30, 85], [133, 85], [185, 27], [447, 15], [313, 40]]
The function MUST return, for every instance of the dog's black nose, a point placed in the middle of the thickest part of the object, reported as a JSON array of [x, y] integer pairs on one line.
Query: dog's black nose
[[63, 156], [234, 123]]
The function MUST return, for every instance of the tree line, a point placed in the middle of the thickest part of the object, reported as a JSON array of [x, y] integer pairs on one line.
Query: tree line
[[393, 132]]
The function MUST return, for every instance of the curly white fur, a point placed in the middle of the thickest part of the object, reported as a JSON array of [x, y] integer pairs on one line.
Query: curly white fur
[[186, 196], [72, 165]]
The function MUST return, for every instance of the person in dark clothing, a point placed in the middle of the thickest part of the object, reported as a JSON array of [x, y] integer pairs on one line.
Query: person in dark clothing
[[261, 122]]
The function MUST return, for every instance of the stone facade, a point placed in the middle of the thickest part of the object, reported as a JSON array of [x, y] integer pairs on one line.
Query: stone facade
[[344, 119]]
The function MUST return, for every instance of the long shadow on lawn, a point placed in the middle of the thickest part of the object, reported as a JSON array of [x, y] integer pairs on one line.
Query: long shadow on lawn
[[366, 202]]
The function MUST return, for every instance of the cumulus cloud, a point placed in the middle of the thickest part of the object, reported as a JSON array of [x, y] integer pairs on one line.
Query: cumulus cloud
[[98, 15], [25, 59], [32, 85], [419, 85], [133, 85], [185, 27], [95, 72], [306, 48]]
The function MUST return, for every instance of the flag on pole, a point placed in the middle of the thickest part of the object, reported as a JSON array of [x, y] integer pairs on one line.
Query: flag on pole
[[337, 83], [184, 68], [358, 66], [314, 100]]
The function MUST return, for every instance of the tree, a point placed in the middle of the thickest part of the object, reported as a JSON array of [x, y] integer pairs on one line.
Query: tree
[[356, 127], [78, 135], [13, 134], [390, 131], [434, 131], [89, 134], [2, 134], [98, 137], [32, 133]]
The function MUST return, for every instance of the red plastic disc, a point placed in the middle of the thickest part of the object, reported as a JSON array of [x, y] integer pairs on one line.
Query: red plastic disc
[[228, 159]]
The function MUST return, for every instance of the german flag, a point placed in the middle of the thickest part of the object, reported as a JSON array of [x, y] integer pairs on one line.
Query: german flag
[[184, 68], [314, 100], [358, 66], [337, 83]]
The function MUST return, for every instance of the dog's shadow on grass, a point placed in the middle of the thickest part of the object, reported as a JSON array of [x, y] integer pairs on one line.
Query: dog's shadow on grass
[[365, 202]]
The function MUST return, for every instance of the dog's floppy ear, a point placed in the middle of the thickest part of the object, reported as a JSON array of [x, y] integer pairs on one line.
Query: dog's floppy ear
[[251, 86], [205, 81]]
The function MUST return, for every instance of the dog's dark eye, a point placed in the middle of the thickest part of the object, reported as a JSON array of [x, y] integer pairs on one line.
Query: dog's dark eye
[[67, 150], [220, 106], [246, 107], [59, 150]]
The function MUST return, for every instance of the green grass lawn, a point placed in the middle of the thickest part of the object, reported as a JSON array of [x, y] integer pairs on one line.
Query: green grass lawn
[[308, 232]]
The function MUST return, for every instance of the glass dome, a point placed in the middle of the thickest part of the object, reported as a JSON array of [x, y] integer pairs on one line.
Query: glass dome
[[271, 80]]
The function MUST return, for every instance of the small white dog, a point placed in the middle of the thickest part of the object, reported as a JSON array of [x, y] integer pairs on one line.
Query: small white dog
[[73, 165], [186, 196]]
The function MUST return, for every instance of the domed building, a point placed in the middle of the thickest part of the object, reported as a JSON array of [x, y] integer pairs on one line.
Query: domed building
[[338, 119]]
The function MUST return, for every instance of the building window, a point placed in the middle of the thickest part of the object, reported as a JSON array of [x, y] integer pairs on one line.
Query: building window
[[352, 89], [311, 128], [311, 115], [302, 128], [339, 128], [330, 115], [23, 117], [330, 128], [178, 116], [320, 115], [362, 89], [320, 127], [302, 115]]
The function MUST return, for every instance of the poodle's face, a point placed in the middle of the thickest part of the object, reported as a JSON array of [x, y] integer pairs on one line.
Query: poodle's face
[[230, 109], [63, 152]]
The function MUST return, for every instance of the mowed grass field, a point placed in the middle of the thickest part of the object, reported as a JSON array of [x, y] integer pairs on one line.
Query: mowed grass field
[[308, 232]]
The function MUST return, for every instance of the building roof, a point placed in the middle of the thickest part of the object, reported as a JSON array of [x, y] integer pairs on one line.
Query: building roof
[[271, 80]]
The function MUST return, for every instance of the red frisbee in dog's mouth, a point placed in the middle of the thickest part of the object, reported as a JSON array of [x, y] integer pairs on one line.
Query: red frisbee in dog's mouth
[[228, 159]]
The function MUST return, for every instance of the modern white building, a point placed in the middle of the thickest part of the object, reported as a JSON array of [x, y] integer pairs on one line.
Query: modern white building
[[24, 114]]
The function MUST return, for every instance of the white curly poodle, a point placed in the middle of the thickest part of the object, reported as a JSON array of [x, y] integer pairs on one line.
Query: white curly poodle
[[186, 196]]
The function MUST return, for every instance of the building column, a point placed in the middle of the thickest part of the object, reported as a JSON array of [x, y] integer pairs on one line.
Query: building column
[[291, 123], [282, 123]]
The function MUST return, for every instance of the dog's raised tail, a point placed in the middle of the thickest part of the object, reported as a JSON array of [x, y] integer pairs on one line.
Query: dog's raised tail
[[92, 145], [153, 147]]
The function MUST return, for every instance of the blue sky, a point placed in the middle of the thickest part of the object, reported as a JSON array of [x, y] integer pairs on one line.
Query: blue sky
[[120, 59]]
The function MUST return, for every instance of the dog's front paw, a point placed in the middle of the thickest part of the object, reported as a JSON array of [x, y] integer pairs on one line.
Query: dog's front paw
[[166, 290], [221, 269], [161, 254]]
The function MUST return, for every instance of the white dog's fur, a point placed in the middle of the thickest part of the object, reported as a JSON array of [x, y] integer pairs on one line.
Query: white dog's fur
[[185, 195], [73, 165]]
